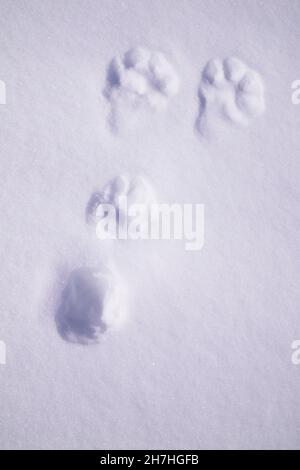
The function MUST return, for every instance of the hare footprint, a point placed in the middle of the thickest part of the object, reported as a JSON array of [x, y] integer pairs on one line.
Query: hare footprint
[[138, 80], [229, 89]]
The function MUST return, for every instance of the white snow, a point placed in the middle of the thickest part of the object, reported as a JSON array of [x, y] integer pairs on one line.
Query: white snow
[[204, 357]]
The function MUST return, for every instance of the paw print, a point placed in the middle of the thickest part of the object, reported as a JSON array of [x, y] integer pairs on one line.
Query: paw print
[[139, 79], [122, 192], [229, 89], [92, 302]]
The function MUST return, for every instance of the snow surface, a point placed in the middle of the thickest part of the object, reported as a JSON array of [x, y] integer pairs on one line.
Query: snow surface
[[204, 360]]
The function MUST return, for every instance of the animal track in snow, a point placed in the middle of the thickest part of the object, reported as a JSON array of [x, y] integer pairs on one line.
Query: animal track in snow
[[92, 301], [141, 78], [134, 190], [229, 89]]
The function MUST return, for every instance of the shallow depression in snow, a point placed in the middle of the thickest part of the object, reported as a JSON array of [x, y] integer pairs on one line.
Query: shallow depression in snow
[[92, 301], [230, 90], [138, 80], [130, 189]]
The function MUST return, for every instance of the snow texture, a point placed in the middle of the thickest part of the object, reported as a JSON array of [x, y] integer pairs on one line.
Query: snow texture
[[203, 360]]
